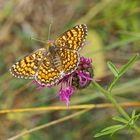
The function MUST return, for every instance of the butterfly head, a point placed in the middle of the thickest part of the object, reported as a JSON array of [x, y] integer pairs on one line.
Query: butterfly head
[[52, 48]]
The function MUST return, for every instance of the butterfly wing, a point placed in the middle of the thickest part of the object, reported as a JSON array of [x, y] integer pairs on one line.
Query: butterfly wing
[[70, 60], [73, 39], [50, 71], [27, 67], [47, 74]]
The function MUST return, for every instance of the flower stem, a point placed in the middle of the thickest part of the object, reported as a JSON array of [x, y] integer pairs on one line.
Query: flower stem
[[115, 103], [112, 99]]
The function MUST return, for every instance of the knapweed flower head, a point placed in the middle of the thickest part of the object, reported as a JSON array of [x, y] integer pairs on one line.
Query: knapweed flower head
[[79, 79]]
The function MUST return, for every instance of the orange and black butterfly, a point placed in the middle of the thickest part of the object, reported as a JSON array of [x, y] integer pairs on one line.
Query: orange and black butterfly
[[48, 65]]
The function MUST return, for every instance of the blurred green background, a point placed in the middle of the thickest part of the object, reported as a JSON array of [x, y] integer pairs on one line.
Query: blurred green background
[[113, 34]]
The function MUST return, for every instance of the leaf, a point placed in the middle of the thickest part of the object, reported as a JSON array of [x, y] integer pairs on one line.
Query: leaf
[[133, 118], [133, 113], [123, 70], [128, 64], [110, 130], [113, 68], [120, 119]]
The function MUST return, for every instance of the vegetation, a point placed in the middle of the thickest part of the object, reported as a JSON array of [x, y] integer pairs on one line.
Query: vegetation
[[109, 107]]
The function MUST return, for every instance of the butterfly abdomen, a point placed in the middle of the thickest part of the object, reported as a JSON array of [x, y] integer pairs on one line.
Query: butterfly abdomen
[[57, 62], [55, 57]]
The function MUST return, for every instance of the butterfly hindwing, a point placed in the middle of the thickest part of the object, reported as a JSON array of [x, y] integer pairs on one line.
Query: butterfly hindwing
[[73, 39], [69, 59], [47, 74], [27, 67]]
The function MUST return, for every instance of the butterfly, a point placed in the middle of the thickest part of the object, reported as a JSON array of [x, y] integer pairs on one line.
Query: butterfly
[[59, 58]]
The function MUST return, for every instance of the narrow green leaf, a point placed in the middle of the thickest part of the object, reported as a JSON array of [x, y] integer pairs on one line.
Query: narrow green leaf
[[134, 117], [120, 119], [123, 70], [133, 113], [113, 68], [112, 128], [109, 130], [101, 134], [128, 64]]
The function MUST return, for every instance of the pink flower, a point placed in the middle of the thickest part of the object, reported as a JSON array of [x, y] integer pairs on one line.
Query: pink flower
[[79, 79]]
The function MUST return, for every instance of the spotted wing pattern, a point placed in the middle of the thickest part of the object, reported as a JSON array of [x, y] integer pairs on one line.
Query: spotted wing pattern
[[50, 72], [27, 67], [69, 59], [47, 74], [49, 67], [73, 39]]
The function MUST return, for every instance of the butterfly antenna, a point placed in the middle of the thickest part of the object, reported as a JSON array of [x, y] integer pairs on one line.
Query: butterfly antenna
[[43, 41], [36, 39], [49, 30]]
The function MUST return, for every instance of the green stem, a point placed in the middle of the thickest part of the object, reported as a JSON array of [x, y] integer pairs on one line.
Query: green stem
[[116, 104], [112, 99]]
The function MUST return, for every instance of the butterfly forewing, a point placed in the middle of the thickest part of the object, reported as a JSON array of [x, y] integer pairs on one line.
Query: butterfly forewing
[[73, 39], [27, 67], [47, 74]]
